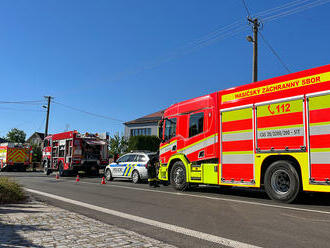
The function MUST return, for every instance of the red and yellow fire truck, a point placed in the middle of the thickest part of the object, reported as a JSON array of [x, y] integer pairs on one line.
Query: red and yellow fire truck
[[15, 156], [70, 152], [273, 133]]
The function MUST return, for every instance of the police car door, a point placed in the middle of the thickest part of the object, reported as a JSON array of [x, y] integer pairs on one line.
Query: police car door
[[129, 165], [119, 167]]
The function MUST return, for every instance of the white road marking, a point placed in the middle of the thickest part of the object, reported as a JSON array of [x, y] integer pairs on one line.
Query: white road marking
[[170, 227], [219, 199]]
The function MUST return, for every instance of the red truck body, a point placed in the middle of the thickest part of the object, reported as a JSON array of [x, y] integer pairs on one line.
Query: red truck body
[[232, 137], [72, 152], [15, 156]]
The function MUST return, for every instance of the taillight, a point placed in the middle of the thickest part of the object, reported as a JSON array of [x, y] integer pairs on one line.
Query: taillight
[[147, 164]]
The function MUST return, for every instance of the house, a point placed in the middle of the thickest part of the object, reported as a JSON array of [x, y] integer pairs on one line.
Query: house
[[36, 139], [146, 125]]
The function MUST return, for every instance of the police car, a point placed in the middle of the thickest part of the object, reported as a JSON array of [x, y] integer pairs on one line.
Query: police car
[[131, 165]]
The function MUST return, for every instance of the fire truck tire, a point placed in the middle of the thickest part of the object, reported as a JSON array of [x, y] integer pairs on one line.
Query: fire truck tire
[[178, 176], [282, 181], [136, 176], [108, 175], [47, 171]]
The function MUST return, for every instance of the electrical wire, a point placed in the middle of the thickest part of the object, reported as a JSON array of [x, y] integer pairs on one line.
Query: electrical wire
[[268, 44], [246, 8], [21, 102], [281, 7], [275, 53], [295, 10], [224, 32], [88, 113], [22, 110]]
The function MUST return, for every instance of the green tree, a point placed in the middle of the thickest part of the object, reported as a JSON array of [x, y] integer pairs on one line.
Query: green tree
[[16, 136], [117, 145], [141, 142], [36, 153]]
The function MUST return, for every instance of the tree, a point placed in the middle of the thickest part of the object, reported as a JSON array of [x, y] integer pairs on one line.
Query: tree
[[141, 142], [36, 153], [16, 136], [117, 145]]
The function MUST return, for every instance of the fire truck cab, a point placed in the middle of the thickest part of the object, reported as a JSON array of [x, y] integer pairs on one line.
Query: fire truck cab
[[70, 152], [273, 134]]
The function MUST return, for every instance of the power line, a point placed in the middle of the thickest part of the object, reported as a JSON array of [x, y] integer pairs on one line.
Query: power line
[[22, 110], [275, 53], [88, 113], [21, 102], [295, 10], [246, 8], [281, 7], [222, 33]]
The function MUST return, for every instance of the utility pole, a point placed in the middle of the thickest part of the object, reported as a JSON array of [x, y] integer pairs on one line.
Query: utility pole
[[47, 117], [254, 40]]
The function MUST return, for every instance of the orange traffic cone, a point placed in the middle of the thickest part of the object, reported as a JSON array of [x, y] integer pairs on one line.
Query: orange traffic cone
[[103, 180], [57, 176], [77, 179]]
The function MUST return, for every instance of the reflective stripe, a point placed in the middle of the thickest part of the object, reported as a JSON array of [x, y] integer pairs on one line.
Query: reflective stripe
[[200, 145], [281, 133], [129, 169], [237, 158], [237, 136], [125, 170], [167, 148], [320, 157], [319, 130]]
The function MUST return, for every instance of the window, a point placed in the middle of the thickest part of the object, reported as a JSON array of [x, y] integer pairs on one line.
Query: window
[[170, 128], [196, 123], [141, 131], [122, 159], [142, 158], [132, 158]]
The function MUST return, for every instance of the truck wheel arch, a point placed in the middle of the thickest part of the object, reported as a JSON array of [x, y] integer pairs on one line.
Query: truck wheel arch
[[273, 158], [175, 158]]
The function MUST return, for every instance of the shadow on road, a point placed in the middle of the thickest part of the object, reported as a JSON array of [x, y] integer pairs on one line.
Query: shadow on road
[[306, 198], [11, 237]]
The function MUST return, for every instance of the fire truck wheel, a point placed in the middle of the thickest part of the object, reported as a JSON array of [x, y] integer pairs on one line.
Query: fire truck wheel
[[136, 177], [282, 181], [178, 176], [108, 175]]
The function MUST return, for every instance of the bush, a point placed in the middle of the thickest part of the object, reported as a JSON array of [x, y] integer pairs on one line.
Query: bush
[[149, 143], [10, 192]]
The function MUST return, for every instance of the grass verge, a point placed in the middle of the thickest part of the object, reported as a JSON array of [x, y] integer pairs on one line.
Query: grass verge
[[10, 191]]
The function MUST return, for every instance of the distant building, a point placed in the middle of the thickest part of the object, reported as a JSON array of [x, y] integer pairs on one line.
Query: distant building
[[146, 125], [36, 139]]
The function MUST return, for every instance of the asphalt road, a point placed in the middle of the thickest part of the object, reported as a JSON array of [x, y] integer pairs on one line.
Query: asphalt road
[[242, 215]]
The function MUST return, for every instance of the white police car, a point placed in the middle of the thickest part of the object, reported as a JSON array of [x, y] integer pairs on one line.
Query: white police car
[[131, 165]]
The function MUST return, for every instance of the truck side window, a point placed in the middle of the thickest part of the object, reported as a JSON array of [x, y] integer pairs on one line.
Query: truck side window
[[170, 128], [196, 123]]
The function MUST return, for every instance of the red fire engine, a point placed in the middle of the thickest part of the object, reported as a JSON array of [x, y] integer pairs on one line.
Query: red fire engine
[[70, 152], [15, 156], [273, 133]]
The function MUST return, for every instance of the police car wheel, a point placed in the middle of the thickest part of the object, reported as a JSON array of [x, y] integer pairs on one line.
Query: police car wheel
[[135, 176], [282, 181], [108, 175], [178, 176]]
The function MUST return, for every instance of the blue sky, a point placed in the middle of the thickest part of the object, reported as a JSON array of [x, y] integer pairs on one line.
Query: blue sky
[[128, 58]]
